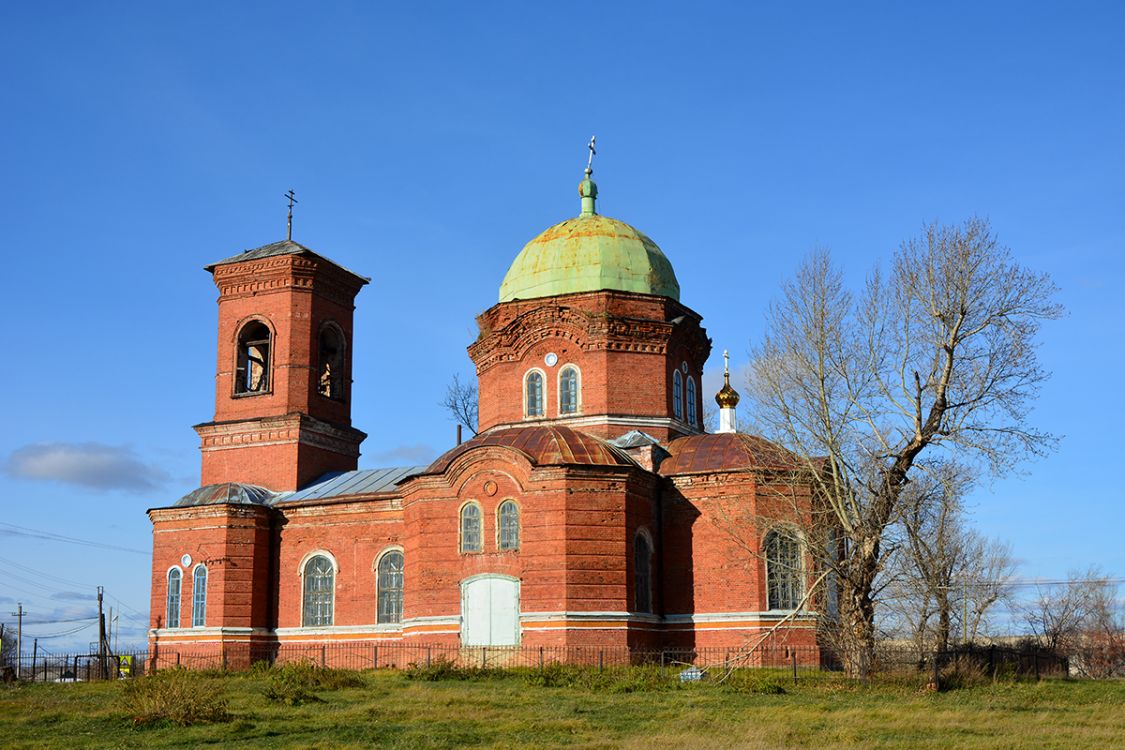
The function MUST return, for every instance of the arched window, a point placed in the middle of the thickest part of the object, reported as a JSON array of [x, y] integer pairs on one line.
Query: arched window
[[642, 562], [783, 569], [330, 371], [470, 528], [199, 597], [252, 371], [568, 390], [691, 401], [677, 395], [508, 519], [318, 592], [388, 582], [534, 394], [172, 610]]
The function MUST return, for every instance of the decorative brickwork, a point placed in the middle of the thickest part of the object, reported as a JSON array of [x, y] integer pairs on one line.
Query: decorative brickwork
[[653, 543]]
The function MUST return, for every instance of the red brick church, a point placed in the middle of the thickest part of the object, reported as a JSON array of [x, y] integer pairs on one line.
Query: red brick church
[[593, 509]]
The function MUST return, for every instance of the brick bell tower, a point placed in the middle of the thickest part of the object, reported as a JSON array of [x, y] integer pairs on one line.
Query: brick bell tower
[[283, 379]]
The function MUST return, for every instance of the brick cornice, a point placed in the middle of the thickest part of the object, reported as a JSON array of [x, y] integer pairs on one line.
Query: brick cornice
[[286, 273], [288, 428], [598, 321]]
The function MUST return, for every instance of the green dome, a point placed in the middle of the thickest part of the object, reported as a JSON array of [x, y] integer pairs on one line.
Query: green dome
[[586, 254]]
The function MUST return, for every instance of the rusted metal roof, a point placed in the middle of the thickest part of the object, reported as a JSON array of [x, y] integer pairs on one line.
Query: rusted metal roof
[[346, 483], [725, 451], [232, 493], [553, 445], [285, 247]]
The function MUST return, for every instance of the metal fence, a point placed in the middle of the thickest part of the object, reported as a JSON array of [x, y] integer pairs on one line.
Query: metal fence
[[994, 661]]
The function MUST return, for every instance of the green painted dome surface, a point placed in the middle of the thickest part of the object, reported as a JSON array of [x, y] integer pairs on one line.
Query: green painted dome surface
[[587, 254]]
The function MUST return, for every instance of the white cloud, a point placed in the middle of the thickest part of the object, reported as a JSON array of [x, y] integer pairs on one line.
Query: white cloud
[[94, 465], [418, 453]]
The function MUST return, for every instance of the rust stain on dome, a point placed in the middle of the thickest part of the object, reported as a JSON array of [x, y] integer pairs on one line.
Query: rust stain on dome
[[726, 451], [543, 446]]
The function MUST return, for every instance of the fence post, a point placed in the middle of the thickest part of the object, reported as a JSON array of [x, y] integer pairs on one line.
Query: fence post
[[601, 659], [177, 658], [540, 658], [375, 657], [76, 669], [793, 653], [428, 650], [482, 657], [223, 655], [323, 655]]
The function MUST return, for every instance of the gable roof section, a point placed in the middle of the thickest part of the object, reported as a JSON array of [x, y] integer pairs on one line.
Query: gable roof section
[[348, 483], [284, 247]]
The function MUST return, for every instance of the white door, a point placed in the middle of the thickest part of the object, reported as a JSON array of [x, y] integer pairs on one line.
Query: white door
[[490, 611]]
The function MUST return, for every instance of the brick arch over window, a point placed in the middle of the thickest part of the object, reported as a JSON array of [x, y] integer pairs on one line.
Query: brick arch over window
[[570, 389], [199, 596], [253, 357], [331, 362], [642, 571], [471, 521], [508, 526], [172, 597], [534, 394], [785, 587], [390, 570], [318, 589]]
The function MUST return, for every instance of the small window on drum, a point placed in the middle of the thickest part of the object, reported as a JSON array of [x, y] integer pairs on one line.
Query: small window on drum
[[691, 411], [568, 390], [252, 370], [677, 395], [533, 397]]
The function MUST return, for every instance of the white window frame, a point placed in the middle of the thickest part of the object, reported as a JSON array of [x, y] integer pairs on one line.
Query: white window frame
[[542, 395], [500, 525], [168, 596], [379, 586], [690, 397], [798, 569], [577, 389], [199, 604], [677, 395], [335, 569], [461, 528]]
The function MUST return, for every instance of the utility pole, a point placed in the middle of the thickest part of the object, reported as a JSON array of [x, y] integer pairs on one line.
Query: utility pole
[[101, 635], [19, 639]]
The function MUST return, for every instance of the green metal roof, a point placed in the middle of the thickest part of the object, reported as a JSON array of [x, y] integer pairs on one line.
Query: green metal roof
[[586, 254]]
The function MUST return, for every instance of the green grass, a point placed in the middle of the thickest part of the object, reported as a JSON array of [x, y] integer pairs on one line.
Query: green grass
[[639, 708]]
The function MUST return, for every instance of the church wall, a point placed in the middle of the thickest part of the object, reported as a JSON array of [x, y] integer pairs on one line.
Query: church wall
[[354, 534], [714, 572], [233, 543]]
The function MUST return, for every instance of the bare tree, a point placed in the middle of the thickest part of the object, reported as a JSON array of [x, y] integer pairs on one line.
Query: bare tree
[[461, 403], [935, 360], [1082, 619], [945, 578]]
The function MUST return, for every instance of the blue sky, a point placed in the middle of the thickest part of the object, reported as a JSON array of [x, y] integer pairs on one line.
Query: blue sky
[[428, 142]]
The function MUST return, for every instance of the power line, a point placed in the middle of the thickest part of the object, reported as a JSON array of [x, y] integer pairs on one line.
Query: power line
[[11, 528]]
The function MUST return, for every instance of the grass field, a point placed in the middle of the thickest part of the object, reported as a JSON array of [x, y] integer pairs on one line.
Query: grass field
[[636, 708]]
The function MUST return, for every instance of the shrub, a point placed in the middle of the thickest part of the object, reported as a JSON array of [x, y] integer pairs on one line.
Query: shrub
[[963, 672], [294, 684], [446, 669], [178, 696]]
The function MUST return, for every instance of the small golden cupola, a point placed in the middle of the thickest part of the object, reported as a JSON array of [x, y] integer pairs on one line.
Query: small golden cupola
[[727, 399]]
